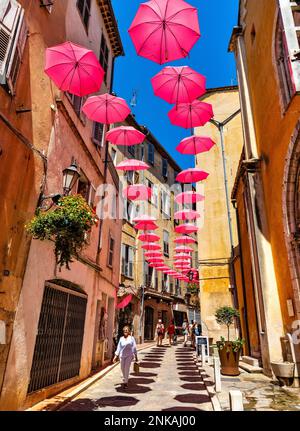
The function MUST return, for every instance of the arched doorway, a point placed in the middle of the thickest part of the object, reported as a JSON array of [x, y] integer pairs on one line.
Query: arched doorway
[[148, 332]]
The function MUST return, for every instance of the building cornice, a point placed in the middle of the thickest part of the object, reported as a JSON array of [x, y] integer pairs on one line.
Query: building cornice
[[111, 26]]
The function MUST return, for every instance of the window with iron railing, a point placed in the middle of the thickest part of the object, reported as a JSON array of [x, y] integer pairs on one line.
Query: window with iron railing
[[127, 260]]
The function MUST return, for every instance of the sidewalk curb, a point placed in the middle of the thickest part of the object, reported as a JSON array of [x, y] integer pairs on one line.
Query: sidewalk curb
[[58, 401], [212, 394]]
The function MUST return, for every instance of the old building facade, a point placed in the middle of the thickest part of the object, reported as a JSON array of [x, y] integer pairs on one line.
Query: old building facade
[[265, 194], [44, 131]]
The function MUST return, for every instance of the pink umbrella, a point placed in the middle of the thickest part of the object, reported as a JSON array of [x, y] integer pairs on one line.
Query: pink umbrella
[[124, 302], [195, 145], [106, 109], [151, 246], [164, 30], [189, 197], [137, 192], [183, 248], [144, 225], [74, 68], [149, 237], [184, 240], [144, 217], [186, 215], [189, 115], [191, 175], [157, 260], [183, 256], [125, 135], [153, 253], [178, 84], [186, 228], [132, 165]]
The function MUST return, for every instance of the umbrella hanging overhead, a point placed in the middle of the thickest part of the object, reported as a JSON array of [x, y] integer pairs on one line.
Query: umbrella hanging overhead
[[178, 84], [184, 240], [195, 145], [125, 135], [74, 68], [153, 253], [149, 237], [191, 175], [189, 115], [183, 248], [158, 260], [183, 256], [189, 197], [186, 215], [151, 246], [124, 302], [132, 165], [106, 109], [186, 228], [137, 192], [144, 217], [164, 30], [144, 225]]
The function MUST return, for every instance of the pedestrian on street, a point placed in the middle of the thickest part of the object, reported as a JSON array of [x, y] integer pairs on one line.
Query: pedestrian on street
[[185, 331], [160, 332], [126, 352], [171, 331], [193, 334]]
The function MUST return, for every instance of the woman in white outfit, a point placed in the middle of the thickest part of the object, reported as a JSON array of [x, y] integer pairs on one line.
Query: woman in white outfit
[[126, 351]]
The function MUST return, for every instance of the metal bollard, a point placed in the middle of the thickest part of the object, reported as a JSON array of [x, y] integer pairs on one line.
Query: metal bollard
[[217, 372], [236, 401]]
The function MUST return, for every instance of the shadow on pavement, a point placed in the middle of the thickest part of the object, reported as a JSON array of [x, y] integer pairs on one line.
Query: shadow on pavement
[[181, 409], [188, 373], [85, 404], [188, 368], [191, 379], [141, 381], [193, 398], [133, 389], [149, 365], [194, 386]]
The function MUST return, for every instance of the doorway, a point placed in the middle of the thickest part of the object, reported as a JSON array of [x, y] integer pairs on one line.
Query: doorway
[[148, 332]]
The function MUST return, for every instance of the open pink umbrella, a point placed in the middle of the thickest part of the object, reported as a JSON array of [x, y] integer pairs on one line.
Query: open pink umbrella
[[189, 197], [195, 145], [183, 248], [124, 302], [146, 225], [149, 237], [153, 253], [184, 240], [165, 30], [106, 109], [186, 215], [178, 84], [125, 135], [156, 260], [132, 165], [183, 256], [186, 228], [137, 192], [151, 246], [74, 68], [191, 175], [189, 115], [144, 217]]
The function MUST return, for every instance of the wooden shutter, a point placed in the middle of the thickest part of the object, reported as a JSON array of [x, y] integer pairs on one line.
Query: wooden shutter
[[130, 261]]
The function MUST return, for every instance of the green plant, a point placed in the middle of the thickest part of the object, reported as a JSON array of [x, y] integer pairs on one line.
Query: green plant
[[66, 224], [193, 288], [235, 345], [225, 316]]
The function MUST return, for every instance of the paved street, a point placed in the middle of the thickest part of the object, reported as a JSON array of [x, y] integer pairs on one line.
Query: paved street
[[168, 381]]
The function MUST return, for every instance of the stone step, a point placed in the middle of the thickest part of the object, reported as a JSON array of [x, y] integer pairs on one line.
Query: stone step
[[251, 361], [250, 368]]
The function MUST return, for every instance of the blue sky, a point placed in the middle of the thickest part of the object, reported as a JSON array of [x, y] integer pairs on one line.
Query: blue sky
[[209, 57]]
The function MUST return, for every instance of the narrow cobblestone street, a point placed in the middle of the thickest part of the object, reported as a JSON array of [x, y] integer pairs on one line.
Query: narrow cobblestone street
[[168, 381]]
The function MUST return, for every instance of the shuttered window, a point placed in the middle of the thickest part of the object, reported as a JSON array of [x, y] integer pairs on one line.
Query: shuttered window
[[127, 260], [98, 132], [84, 7], [104, 56]]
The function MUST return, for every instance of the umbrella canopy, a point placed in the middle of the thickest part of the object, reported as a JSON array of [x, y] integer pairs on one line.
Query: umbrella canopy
[[183, 248], [186, 215], [195, 145], [144, 225], [125, 135], [153, 253], [132, 165], [178, 84], [144, 217], [149, 237], [124, 302], [189, 197], [106, 109], [191, 175], [182, 256], [164, 31], [189, 115], [186, 228], [151, 246], [137, 192], [74, 68], [156, 260], [184, 240]]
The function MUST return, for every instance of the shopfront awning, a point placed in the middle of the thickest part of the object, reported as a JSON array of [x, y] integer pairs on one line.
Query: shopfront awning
[[124, 302]]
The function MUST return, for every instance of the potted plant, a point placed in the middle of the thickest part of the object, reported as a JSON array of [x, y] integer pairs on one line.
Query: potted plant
[[229, 351]]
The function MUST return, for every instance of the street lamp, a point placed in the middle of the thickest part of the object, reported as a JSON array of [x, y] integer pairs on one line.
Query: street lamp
[[70, 176]]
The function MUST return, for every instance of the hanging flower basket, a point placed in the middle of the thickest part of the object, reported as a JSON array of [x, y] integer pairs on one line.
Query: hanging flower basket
[[67, 225]]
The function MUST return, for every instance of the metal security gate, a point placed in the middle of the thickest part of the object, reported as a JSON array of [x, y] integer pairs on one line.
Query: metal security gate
[[58, 345]]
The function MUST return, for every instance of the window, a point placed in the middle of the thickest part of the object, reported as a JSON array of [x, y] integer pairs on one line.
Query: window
[[111, 246], [131, 150], [114, 156], [166, 242], [177, 288], [154, 194], [165, 203], [86, 190], [13, 35], [165, 168], [77, 103], [84, 7], [104, 56], [98, 134], [171, 288], [283, 64], [130, 211], [127, 260], [148, 275], [150, 153], [166, 283]]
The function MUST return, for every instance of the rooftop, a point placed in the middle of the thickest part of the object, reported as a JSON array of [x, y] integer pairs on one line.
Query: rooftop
[[111, 26]]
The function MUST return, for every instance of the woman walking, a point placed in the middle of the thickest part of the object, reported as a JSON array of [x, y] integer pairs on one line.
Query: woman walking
[[185, 331], [126, 351], [160, 332], [171, 332]]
